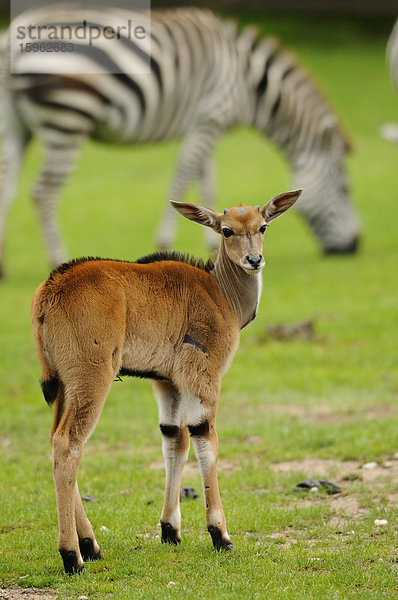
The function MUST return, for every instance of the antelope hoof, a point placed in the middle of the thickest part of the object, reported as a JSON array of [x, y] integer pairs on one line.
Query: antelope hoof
[[219, 542], [169, 534], [71, 563], [86, 546]]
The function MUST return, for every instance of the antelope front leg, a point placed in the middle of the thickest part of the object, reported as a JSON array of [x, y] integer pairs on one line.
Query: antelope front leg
[[175, 448], [205, 443]]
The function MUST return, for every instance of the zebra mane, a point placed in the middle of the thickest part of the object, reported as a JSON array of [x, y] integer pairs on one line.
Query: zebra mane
[[199, 263], [261, 53]]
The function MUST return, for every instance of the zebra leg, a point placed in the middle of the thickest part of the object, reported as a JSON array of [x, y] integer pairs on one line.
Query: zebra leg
[[13, 148], [175, 448], [58, 164], [194, 156], [207, 191]]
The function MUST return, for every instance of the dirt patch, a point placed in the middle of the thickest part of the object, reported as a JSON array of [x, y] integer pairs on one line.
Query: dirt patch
[[27, 594], [345, 506], [341, 470], [325, 414], [304, 330], [318, 468]]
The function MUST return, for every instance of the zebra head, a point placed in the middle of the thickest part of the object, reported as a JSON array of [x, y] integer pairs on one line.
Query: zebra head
[[290, 110], [326, 202]]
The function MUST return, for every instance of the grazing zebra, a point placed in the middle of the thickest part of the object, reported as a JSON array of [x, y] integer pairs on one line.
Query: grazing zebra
[[205, 78]]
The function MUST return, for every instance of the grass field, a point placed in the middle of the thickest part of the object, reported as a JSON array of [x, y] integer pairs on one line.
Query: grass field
[[320, 407]]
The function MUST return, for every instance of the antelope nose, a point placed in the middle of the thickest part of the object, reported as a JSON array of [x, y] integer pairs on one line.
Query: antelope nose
[[255, 260]]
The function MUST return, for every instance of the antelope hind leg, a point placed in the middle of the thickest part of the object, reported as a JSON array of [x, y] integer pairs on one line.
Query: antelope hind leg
[[88, 545], [79, 417], [67, 452]]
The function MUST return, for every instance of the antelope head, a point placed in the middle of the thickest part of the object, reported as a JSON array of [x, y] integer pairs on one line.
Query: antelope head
[[242, 227]]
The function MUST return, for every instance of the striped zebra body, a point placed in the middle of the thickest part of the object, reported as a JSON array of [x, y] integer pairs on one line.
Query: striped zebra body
[[204, 78]]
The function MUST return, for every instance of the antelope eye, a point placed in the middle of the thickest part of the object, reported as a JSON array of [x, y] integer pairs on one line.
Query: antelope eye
[[263, 228], [227, 232]]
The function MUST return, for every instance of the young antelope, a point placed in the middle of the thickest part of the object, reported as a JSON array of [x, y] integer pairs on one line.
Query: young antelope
[[164, 317]]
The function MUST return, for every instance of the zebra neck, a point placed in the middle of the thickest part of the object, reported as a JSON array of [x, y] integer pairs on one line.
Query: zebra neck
[[242, 291], [284, 103]]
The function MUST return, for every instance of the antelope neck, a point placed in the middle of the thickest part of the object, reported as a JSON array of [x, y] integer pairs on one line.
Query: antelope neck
[[242, 291]]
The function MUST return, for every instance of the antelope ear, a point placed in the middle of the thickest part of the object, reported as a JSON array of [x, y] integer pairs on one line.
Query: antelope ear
[[199, 214], [279, 204]]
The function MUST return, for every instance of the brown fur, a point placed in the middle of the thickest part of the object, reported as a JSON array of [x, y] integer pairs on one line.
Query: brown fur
[[162, 316]]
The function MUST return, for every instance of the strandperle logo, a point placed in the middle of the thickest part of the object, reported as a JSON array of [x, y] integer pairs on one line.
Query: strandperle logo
[[83, 31], [71, 39]]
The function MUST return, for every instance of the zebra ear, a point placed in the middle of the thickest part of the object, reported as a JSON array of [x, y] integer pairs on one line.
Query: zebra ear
[[199, 214], [278, 205]]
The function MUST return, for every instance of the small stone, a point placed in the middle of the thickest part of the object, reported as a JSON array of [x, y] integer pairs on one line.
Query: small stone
[[307, 485], [389, 464], [83, 597], [171, 584], [88, 498], [395, 456], [188, 492], [381, 522], [105, 529], [370, 466], [330, 487]]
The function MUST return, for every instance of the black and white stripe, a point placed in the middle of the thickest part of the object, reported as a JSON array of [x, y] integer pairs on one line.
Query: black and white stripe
[[205, 77]]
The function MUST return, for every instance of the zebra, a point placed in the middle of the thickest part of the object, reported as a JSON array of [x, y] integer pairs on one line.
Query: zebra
[[206, 77]]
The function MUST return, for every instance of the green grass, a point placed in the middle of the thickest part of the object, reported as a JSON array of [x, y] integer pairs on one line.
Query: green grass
[[322, 406]]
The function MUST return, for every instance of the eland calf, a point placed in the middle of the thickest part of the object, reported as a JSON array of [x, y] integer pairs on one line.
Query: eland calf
[[167, 318]]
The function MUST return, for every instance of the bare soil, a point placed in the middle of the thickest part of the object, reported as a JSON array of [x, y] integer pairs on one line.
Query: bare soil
[[11, 593]]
